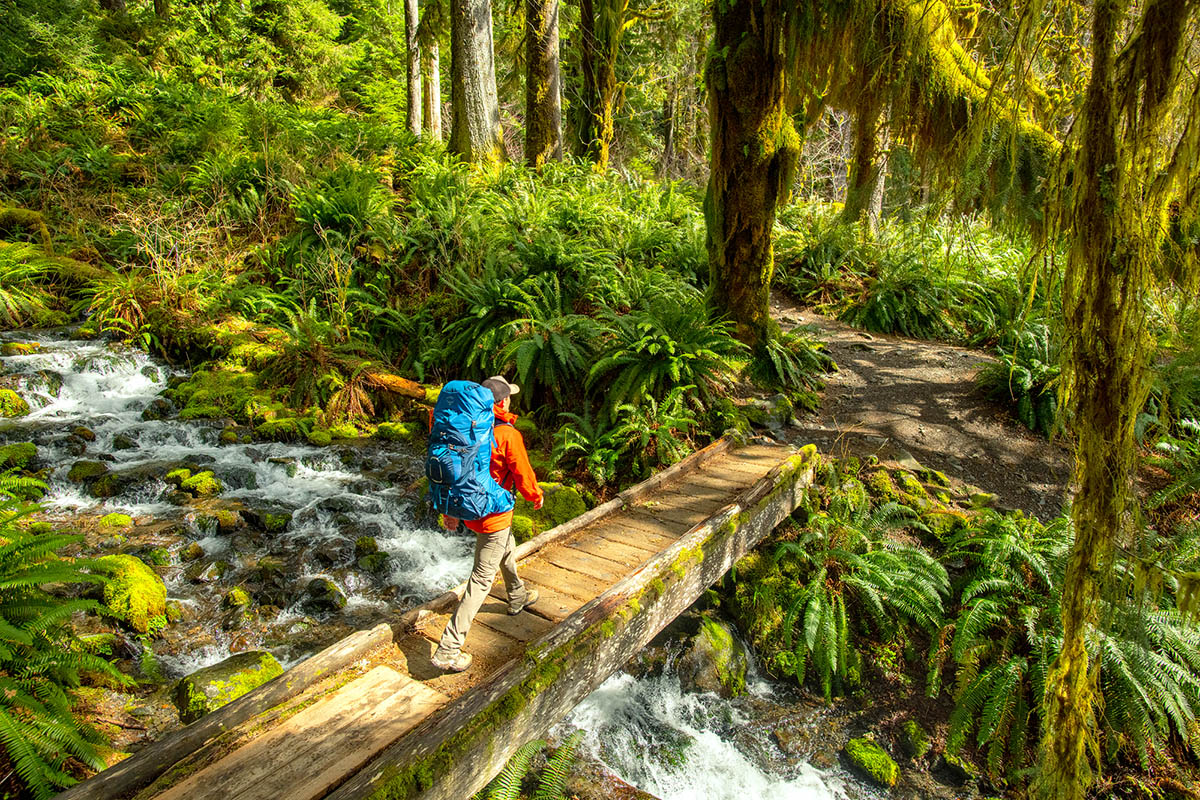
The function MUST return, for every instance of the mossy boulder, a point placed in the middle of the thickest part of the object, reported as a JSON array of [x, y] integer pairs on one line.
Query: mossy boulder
[[399, 432], [320, 438], [200, 484], [873, 762], [343, 431], [17, 456], [880, 486], [228, 436], [87, 434], [19, 348], [237, 597], [288, 429], [134, 593], [123, 441], [522, 528], [376, 563], [526, 426], [116, 521], [322, 594], [192, 552], [955, 769], [715, 660], [933, 477], [365, 546], [208, 689], [271, 520], [201, 412], [110, 484], [159, 408], [12, 404], [562, 503], [84, 471]]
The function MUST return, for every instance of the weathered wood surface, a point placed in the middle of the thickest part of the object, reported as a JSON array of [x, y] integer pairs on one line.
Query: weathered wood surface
[[143, 767], [312, 752], [457, 750], [608, 581]]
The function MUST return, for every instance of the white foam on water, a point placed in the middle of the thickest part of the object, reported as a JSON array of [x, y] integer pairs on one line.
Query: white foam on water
[[677, 745]]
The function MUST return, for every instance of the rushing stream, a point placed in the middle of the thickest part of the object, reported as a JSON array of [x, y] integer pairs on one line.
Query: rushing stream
[[89, 401], [333, 494]]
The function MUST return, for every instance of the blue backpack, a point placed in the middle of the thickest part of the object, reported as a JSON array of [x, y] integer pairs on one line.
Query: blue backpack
[[458, 461]]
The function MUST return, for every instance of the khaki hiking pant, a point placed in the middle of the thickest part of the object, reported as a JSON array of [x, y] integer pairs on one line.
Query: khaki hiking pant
[[493, 551]]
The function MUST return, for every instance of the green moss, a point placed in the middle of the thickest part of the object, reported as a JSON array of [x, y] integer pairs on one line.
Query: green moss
[[933, 477], [873, 761], [731, 672], [227, 519], [176, 477], [879, 485], [116, 520], [365, 546], [288, 429], [220, 391], [909, 484], [320, 438], [914, 740], [399, 432], [229, 436], [237, 597], [17, 456], [19, 348], [522, 528], [344, 431], [202, 412], [158, 557], [526, 426], [82, 471], [134, 593], [562, 503], [375, 562], [12, 404], [202, 484], [207, 690]]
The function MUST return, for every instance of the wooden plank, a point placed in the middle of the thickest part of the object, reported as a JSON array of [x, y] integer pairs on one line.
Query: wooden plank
[[659, 530], [634, 535], [598, 567], [524, 627], [553, 605], [624, 554], [682, 518], [312, 752], [732, 486], [688, 498], [144, 766], [576, 584]]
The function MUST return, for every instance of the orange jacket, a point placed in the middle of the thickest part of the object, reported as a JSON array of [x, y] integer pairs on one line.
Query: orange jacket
[[510, 468]]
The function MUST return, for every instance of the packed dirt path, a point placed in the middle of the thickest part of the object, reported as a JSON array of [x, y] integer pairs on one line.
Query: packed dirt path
[[900, 398]]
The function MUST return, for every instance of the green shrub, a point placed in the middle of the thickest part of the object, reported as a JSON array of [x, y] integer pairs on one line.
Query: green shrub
[[1026, 377]]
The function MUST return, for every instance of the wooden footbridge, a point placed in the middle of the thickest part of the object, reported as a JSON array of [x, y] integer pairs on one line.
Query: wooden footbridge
[[370, 717]]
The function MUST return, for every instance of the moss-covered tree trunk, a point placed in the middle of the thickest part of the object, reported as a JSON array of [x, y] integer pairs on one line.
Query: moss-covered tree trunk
[[475, 132], [602, 26], [866, 164], [431, 90], [543, 107], [754, 151], [411, 20], [1120, 184]]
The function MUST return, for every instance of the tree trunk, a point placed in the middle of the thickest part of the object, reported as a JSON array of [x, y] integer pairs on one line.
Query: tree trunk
[[114, 7], [411, 20], [475, 132], [865, 164], [601, 30], [585, 130], [432, 91], [162, 8], [543, 106], [754, 151]]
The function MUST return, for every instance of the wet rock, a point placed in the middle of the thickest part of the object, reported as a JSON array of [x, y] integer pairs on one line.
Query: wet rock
[[87, 434], [272, 519], [116, 521], [206, 572], [159, 408], [19, 348], [228, 520], [200, 484], [124, 442], [84, 471], [178, 498], [872, 761], [332, 553], [337, 505], [150, 371], [192, 552], [17, 456], [208, 689], [237, 597], [110, 484], [322, 594], [715, 660], [134, 593], [955, 769], [238, 477], [376, 563], [365, 546]]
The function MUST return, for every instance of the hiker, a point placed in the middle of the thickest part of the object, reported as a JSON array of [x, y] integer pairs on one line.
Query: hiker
[[495, 547]]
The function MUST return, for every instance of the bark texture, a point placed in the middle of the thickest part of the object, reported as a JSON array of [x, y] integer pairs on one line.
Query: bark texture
[[543, 104], [431, 92], [602, 28], [411, 20], [866, 165], [754, 151], [475, 132]]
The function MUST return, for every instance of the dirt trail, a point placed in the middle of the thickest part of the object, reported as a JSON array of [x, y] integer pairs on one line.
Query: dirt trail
[[898, 397]]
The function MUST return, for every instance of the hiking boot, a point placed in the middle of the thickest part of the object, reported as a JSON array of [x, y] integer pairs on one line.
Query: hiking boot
[[455, 663], [531, 597]]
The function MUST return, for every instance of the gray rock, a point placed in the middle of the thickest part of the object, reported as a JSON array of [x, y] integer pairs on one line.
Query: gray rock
[[322, 594], [123, 442], [715, 660], [208, 689], [159, 408]]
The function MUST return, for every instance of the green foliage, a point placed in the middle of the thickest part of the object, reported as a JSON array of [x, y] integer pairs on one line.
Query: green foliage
[[553, 782], [41, 660], [1025, 377], [667, 345], [23, 297], [507, 785], [792, 362], [652, 435], [1180, 457]]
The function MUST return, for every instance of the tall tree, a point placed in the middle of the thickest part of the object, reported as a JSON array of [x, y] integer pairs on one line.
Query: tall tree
[[1138, 150], [411, 21], [475, 132], [431, 92], [543, 106], [755, 147], [866, 164]]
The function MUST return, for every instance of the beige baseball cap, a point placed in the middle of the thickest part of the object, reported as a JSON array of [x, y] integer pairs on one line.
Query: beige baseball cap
[[500, 387]]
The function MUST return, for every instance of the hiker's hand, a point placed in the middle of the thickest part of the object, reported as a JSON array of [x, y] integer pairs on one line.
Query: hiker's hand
[[449, 523], [537, 504]]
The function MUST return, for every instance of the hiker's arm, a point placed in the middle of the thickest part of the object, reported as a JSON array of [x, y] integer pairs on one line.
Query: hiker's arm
[[524, 479]]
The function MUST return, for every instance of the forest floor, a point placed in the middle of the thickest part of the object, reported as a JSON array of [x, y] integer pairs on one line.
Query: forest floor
[[904, 399]]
